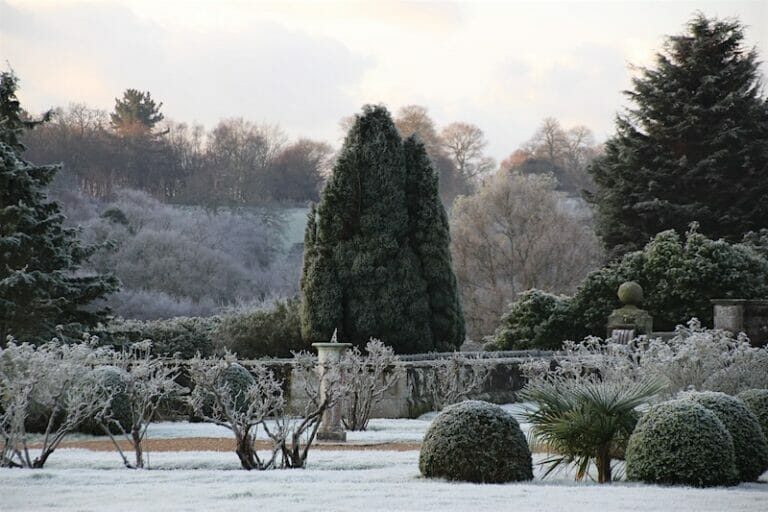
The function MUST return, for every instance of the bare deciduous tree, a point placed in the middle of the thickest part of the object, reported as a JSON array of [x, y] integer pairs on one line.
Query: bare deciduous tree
[[366, 379], [514, 234], [564, 153], [465, 143], [415, 120]]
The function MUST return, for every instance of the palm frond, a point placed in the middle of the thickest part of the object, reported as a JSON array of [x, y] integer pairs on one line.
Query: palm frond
[[576, 418]]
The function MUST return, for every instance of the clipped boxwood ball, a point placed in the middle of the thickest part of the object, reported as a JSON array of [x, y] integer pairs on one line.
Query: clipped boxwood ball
[[239, 379], [749, 445], [113, 379], [681, 442], [756, 401], [475, 441]]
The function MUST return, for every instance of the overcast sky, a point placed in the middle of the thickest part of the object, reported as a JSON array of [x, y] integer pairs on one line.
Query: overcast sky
[[305, 65]]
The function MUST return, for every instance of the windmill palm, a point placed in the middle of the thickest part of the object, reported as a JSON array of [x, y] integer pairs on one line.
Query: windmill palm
[[585, 420]]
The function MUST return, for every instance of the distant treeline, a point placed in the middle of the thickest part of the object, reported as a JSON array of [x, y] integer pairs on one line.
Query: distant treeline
[[237, 163]]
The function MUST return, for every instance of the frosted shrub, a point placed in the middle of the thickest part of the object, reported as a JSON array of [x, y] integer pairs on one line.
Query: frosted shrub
[[681, 442], [145, 383], [54, 377], [113, 380], [184, 261], [294, 434], [475, 441], [223, 395], [705, 359], [182, 337], [245, 401], [756, 401], [535, 319], [454, 379], [367, 378], [695, 358], [749, 444]]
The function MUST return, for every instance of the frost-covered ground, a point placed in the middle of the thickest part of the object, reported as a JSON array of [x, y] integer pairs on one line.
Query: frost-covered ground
[[81, 480]]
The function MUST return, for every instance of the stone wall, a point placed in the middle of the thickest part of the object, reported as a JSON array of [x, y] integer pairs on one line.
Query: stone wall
[[407, 398], [748, 316]]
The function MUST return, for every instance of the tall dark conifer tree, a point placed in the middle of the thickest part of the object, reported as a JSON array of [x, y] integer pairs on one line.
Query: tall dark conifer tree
[[41, 293], [363, 274], [430, 238], [693, 148]]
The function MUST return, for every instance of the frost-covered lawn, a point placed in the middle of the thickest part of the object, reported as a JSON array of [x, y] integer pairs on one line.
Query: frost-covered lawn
[[80, 480]]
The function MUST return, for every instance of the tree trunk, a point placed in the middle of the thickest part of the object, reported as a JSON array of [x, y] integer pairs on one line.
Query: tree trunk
[[244, 451], [603, 463], [39, 462], [137, 448]]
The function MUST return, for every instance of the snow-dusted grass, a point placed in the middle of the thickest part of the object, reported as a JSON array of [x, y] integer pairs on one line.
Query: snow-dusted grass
[[81, 480]]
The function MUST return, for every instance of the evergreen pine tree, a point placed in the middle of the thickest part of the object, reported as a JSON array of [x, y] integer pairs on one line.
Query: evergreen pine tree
[[135, 113], [694, 147], [361, 273], [40, 288], [430, 238]]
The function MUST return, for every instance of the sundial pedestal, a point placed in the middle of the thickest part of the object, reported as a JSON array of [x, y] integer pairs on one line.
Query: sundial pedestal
[[330, 424]]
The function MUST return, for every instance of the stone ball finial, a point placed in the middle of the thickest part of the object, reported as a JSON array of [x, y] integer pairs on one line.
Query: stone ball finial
[[631, 293]]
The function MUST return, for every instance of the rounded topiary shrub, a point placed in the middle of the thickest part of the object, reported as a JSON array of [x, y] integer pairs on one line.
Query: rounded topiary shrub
[[475, 441], [113, 379], [238, 379], [756, 401], [749, 444], [681, 442]]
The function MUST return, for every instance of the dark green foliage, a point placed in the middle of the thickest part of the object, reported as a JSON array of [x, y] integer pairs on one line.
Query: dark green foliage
[[536, 319], [182, 336], [749, 444], [430, 238], [136, 112], [117, 216], [13, 122], [321, 302], [756, 401], [271, 333], [681, 442], [475, 441], [585, 420], [238, 380], [113, 379], [693, 148], [679, 278], [363, 275], [38, 417], [758, 241], [40, 288]]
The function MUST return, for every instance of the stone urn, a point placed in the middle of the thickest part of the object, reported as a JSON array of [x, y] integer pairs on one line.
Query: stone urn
[[629, 320]]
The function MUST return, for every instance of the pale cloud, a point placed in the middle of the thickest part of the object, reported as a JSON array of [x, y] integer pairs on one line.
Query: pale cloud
[[501, 65]]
